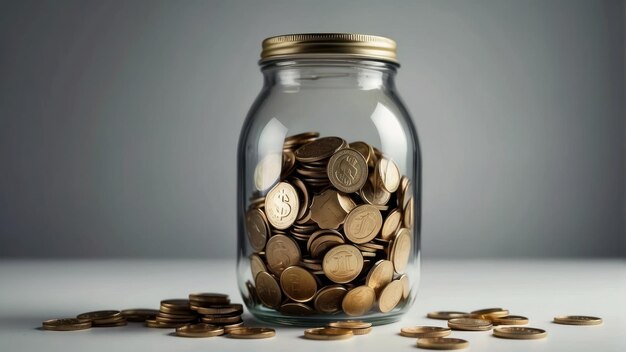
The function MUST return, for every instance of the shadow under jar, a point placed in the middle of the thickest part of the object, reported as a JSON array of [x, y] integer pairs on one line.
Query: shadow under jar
[[329, 182]]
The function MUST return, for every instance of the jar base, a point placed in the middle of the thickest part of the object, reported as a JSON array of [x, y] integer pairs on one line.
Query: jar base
[[276, 318]]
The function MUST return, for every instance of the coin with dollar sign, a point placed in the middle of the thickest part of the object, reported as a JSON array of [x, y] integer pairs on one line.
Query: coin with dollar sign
[[282, 205]]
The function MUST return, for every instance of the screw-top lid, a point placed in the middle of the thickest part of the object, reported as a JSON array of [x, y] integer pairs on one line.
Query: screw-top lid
[[329, 45]]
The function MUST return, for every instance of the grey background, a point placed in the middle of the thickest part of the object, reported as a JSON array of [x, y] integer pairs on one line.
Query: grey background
[[119, 121]]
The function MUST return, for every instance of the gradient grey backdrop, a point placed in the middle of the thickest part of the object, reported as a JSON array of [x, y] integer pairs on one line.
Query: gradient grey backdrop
[[119, 121]]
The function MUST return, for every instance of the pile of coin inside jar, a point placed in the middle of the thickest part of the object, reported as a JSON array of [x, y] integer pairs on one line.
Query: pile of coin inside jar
[[334, 234]]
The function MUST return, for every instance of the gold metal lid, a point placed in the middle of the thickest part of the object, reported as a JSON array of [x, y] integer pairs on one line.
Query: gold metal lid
[[329, 45]]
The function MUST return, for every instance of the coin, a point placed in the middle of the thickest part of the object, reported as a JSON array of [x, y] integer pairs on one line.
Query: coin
[[268, 290], [510, 320], [225, 309], [406, 287], [257, 228], [328, 299], [139, 314], [220, 320], [282, 205], [442, 343], [342, 263], [319, 149], [152, 323], [424, 331], [447, 315], [358, 300], [101, 317], [329, 209], [327, 334], [373, 193], [350, 324], [364, 149], [363, 223], [66, 324], [267, 171], [577, 320], [390, 296], [256, 265], [519, 332], [489, 313], [175, 304], [388, 173], [392, 222], [296, 309], [251, 333], [229, 327], [408, 214], [298, 284], [281, 251], [401, 250], [199, 330], [347, 170], [380, 275], [469, 324]]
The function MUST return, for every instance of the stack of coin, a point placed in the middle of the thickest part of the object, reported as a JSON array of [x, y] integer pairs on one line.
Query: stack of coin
[[173, 313], [66, 324], [104, 318], [227, 316], [331, 228]]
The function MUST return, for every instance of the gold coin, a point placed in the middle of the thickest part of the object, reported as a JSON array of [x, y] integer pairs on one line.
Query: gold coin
[[220, 320], [447, 315], [268, 290], [229, 327], [281, 252], [358, 300], [380, 275], [373, 193], [175, 304], [329, 209], [122, 322], [350, 324], [401, 250], [298, 284], [327, 334], [225, 309], [390, 296], [342, 263], [101, 316], [392, 222], [442, 343], [251, 333], [510, 320], [388, 173], [489, 313], [282, 205], [577, 320], [519, 332], [363, 224], [257, 228], [319, 149], [152, 323], [66, 324], [139, 314], [406, 286], [256, 265], [408, 214], [469, 324], [304, 197], [425, 331], [328, 299], [296, 309], [347, 170], [267, 171], [199, 330], [364, 149]]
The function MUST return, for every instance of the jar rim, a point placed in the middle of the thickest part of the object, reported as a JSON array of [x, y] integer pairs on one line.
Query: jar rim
[[328, 46]]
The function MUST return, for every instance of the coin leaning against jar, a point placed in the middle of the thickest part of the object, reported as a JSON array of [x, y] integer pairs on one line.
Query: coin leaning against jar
[[330, 226]]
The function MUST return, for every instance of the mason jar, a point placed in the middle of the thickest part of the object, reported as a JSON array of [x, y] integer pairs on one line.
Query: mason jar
[[328, 188]]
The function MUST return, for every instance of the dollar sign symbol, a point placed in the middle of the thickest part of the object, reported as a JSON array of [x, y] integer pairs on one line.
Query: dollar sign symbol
[[283, 209]]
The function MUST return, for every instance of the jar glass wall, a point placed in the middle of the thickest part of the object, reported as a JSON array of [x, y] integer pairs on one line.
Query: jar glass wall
[[328, 195]]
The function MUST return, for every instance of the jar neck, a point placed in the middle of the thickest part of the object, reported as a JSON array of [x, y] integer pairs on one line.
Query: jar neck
[[297, 74]]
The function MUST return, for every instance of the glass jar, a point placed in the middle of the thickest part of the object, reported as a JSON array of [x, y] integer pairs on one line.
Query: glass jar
[[328, 203]]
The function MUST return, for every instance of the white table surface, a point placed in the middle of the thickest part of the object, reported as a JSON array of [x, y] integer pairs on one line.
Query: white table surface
[[32, 291]]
